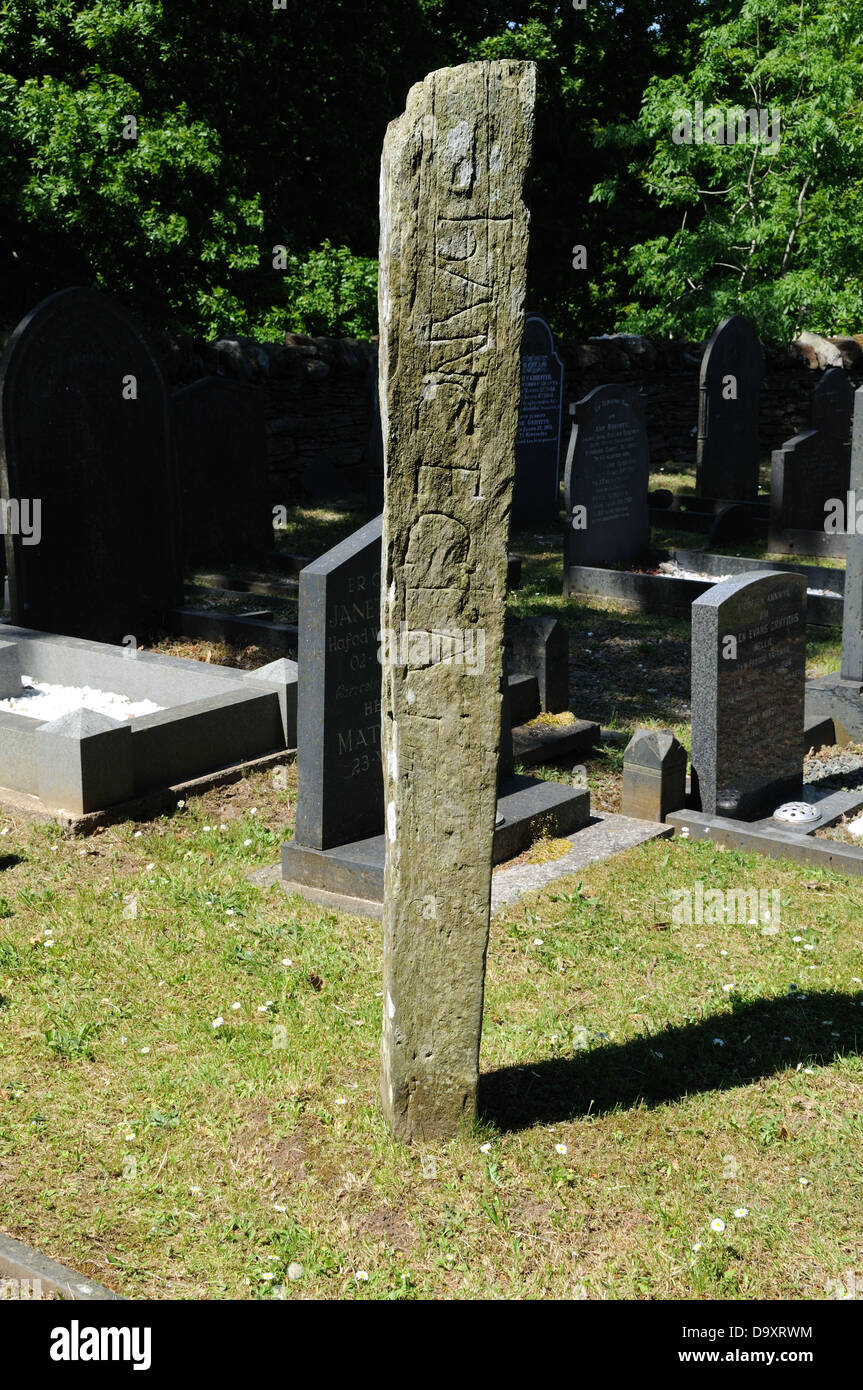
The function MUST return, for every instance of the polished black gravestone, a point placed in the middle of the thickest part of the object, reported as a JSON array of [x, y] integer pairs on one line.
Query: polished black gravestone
[[536, 495], [748, 680], [337, 854], [728, 453], [85, 429], [222, 456], [606, 479], [812, 470]]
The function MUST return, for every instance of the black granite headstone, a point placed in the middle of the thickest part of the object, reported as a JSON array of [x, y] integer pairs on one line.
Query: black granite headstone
[[536, 496], [728, 452], [222, 457], [606, 480], [748, 680], [811, 470], [340, 794], [85, 430]]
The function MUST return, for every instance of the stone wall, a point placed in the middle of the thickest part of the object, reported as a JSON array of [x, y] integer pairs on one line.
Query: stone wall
[[318, 395], [668, 372], [317, 404]]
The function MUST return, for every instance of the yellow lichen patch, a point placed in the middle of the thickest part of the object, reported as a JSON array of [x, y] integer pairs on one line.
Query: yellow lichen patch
[[545, 850], [546, 718]]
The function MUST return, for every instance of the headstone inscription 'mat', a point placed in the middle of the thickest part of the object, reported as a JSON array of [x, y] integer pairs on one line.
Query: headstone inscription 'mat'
[[606, 479], [454, 231], [85, 429], [340, 793], [812, 470], [222, 456], [748, 682], [536, 496], [730, 389]]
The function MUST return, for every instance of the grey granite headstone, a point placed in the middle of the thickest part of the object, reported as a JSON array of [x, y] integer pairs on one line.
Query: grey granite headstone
[[222, 457], [728, 451], [85, 429], [340, 792], [606, 479], [748, 680], [536, 496]]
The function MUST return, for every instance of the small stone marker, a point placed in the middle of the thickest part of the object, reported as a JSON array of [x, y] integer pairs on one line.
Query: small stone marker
[[811, 470], [654, 775], [536, 496], [222, 455], [748, 679], [454, 232], [85, 430], [606, 479], [728, 450], [540, 648]]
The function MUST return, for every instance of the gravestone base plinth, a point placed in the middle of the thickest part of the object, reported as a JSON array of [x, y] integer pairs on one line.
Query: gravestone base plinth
[[355, 871], [831, 697]]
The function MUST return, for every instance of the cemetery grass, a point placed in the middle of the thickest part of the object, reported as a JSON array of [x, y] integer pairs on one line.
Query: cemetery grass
[[641, 1079]]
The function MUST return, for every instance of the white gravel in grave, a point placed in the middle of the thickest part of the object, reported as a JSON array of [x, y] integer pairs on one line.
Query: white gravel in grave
[[43, 701], [676, 571]]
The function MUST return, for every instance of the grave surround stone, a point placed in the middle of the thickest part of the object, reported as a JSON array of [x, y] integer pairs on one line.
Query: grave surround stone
[[221, 445], [85, 429], [748, 680], [536, 494], [540, 648], [730, 385], [606, 479], [654, 775]]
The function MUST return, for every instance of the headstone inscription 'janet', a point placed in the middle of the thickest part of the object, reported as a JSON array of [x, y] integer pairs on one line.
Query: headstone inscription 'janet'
[[812, 470], [340, 793], [748, 681], [728, 453], [606, 479], [222, 456], [537, 444], [454, 231], [85, 428]]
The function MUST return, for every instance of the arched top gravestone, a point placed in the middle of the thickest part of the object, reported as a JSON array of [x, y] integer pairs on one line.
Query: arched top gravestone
[[537, 442], [730, 387], [85, 431]]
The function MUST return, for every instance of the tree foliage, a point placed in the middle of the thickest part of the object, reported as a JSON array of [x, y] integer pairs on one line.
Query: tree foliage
[[257, 127]]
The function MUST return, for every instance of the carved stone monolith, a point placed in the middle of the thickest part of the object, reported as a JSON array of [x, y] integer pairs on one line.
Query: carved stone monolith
[[454, 234]]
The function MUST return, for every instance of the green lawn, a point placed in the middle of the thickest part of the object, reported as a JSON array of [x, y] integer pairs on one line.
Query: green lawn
[[641, 1078]]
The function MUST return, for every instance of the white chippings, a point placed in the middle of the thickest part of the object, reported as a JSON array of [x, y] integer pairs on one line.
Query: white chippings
[[391, 1008], [391, 822]]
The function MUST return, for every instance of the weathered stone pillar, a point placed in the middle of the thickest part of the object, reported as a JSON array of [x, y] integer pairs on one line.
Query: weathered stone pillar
[[454, 231]]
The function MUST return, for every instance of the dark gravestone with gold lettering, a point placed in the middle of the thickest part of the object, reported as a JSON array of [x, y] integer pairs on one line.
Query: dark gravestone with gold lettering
[[607, 471], [340, 794], [748, 681], [86, 430], [536, 496]]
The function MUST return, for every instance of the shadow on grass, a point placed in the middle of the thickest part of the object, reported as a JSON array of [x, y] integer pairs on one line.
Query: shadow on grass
[[754, 1041]]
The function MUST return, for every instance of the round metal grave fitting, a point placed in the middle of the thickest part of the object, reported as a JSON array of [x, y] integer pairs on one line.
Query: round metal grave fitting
[[797, 815], [499, 820]]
